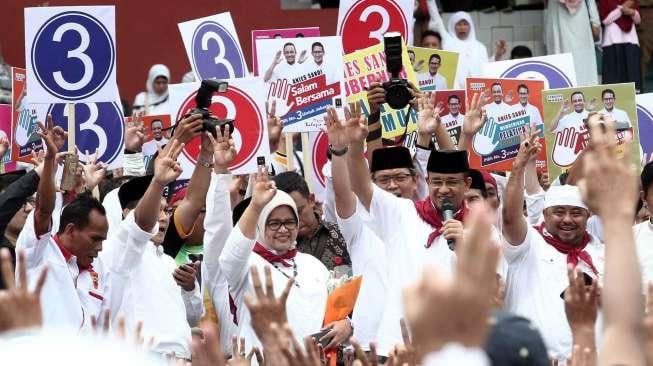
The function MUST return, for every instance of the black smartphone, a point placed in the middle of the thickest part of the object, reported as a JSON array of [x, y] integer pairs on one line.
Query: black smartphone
[[586, 278], [318, 337]]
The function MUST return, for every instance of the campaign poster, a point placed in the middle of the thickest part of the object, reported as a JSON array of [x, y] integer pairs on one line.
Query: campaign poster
[[434, 69], [565, 116], [319, 144], [453, 111], [364, 67], [158, 130], [645, 124], [279, 33], [23, 119], [512, 107], [244, 103], [303, 76], [557, 71], [5, 131], [362, 23]]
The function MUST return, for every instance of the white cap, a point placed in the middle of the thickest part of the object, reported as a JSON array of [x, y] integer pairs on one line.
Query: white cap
[[565, 195]]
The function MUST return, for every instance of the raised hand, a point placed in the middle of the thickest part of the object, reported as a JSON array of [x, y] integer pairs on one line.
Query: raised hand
[[135, 133], [279, 93], [474, 116], [356, 127], [335, 130], [302, 57], [208, 352], [591, 105], [500, 49], [360, 355], [264, 307], [94, 171], [19, 307], [264, 189], [224, 148], [565, 106], [166, 167], [293, 352], [580, 304], [238, 356], [54, 137], [188, 128], [375, 96], [277, 58], [429, 115], [275, 126], [528, 149]]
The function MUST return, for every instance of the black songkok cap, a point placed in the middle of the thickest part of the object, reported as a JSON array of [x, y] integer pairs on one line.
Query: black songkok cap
[[239, 210], [133, 190], [391, 158], [448, 161], [7, 178]]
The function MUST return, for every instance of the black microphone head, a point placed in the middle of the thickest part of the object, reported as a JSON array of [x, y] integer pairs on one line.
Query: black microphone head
[[447, 205]]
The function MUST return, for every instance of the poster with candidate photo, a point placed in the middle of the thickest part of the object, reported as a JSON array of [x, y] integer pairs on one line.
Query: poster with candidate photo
[[303, 77], [434, 69], [279, 33], [512, 107], [453, 111], [565, 116], [157, 133]]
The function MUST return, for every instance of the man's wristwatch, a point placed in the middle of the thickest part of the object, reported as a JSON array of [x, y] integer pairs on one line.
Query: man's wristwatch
[[204, 163], [340, 152]]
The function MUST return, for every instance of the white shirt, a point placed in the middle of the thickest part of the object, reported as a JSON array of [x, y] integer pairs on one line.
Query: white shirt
[[70, 296], [532, 112], [454, 125], [285, 71], [494, 110], [428, 82], [619, 115], [644, 244], [217, 226], [150, 147], [537, 275], [310, 66], [369, 260], [151, 110], [306, 302], [453, 354]]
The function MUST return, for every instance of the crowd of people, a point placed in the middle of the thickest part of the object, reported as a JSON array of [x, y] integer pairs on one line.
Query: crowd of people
[[457, 266]]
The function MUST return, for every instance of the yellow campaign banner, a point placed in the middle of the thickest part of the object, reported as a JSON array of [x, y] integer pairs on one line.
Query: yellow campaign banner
[[362, 68], [434, 69]]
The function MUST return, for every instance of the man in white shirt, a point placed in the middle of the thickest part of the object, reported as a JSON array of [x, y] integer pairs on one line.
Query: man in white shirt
[[431, 80], [498, 107], [538, 256], [609, 109], [569, 130], [453, 121], [83, 280], [152, 296], [150, 147], [283, 70], [644, 231], [531, 111]]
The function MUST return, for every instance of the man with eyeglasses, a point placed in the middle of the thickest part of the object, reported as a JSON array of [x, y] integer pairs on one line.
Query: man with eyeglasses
[[279, 69], [393, 171], [531, 111], [432, 80], [453, 121], [619, 115]]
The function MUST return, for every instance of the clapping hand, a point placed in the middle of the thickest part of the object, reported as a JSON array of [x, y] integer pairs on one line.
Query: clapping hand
[[166, 167], [224, 149]]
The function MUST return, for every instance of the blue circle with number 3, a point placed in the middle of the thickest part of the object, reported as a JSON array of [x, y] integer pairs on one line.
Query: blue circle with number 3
[[72, 55], [216, 54], [98, 126]]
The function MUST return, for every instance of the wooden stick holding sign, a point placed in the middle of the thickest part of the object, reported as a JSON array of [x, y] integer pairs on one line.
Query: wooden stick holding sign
[[308, 160], [69, 178], [290, 152]]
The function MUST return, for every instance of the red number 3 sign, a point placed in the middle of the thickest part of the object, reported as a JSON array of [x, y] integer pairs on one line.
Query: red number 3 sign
[[362, 23]]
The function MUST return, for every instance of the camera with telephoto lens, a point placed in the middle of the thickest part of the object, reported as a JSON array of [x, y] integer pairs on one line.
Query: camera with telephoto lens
[[397, 94], [203, 101]]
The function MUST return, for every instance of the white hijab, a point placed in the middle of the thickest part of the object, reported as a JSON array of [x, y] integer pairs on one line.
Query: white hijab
[[280, 198], [472, 53], [156, 71]]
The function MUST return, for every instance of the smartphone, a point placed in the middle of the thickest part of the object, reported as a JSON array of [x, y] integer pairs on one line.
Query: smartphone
[[318, 337]]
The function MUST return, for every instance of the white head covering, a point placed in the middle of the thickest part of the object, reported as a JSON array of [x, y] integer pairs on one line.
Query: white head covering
[[280, 198], [472, 53], [566, 195], [156, 71]]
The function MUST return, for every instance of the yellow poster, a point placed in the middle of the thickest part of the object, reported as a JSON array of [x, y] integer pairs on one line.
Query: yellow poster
[[434, 69]]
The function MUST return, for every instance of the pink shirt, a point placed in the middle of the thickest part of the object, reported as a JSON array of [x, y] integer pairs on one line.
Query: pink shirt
[[612, 34]]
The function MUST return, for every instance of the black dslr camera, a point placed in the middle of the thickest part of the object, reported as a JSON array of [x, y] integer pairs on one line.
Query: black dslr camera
[[397, 94], [203, 102]]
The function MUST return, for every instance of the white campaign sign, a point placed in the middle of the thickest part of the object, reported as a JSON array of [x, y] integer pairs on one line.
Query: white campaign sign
[[70, 53], [213, 48], [557, 71], [244, 103]]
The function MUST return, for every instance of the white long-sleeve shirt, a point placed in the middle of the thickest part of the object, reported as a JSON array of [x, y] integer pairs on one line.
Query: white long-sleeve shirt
[[306, 302], [217, 226], [72, 295]]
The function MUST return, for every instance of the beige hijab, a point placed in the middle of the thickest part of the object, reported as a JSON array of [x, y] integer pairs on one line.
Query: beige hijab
[[280, 198]]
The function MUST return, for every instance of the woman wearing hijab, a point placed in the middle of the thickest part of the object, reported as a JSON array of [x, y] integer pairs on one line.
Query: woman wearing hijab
[[569, 27], [265, 236], [154, 101], [620, 43], [460, 36]]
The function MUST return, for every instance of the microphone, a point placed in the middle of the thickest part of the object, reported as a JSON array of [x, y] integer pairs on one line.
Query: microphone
[[447, 214]]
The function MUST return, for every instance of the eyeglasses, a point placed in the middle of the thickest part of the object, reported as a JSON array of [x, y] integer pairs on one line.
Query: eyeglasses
[[276, 225], [398, 178], [437, 183]]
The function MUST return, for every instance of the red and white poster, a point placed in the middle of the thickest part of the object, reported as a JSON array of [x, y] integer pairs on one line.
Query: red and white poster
[[362, 23], [319, 144], [5, 131], [23, 119], [244, 103], [453, 111], [279, 33]]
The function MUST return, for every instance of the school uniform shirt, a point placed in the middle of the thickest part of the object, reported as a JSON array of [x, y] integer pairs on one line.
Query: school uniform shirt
[[306, 303], [217, 227], [71, 295], [644, 244], [369, 260], [531, 111], [537, 275], [405, 235], [429, 82], [153, 297]]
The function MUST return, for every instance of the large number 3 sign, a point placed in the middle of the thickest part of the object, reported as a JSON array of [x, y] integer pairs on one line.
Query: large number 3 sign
[[368, 20], [72, 55], [216, 54]]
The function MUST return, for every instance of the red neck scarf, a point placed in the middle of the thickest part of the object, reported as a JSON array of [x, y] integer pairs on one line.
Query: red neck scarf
[[428, 213], [574, 254], [624, 22], [275, 258]]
